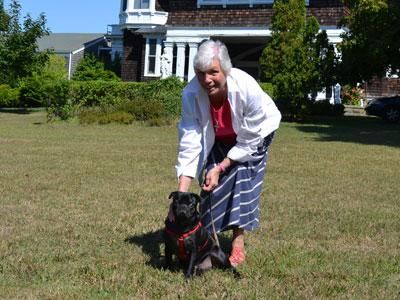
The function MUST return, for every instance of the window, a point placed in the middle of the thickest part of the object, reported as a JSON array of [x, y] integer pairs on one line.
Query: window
[[152, 56], [141, 4], [151, 68]]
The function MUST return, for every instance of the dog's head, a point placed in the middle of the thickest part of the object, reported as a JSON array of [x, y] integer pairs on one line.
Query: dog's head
[[184, 205]]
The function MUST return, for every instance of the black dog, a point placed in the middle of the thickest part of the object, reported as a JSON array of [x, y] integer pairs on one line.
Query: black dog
[[189, 240]]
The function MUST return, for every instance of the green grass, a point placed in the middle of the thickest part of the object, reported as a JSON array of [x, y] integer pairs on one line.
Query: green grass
[[82, 209]]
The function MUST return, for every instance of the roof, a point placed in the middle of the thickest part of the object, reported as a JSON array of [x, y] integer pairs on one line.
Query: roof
[[67, 42]]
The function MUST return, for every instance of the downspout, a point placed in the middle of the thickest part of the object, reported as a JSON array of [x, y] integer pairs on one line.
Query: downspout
[[70, 66]]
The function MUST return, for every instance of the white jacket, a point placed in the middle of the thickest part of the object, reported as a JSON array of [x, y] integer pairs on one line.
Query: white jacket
[[254, 116]]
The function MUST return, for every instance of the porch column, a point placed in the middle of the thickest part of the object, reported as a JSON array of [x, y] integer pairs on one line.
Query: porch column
[[180, 60], [152, 5], [167, 59], [192, 52], [129, 5]]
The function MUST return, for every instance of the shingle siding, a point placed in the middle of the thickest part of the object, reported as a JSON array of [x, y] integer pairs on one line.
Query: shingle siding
[[378, 87], [75, 61], [133, 65], [186, 13]]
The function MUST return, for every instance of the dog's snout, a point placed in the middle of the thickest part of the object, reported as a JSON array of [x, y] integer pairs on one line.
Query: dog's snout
[[184, 211]]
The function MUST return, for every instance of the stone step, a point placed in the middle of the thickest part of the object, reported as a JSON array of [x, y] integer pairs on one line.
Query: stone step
[[354, 110]]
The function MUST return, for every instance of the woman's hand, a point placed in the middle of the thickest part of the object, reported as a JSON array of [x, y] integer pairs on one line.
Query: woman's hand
[[212, 179]]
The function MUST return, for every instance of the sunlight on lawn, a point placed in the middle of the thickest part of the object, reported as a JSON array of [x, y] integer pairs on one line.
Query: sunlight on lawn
[[82, 211]]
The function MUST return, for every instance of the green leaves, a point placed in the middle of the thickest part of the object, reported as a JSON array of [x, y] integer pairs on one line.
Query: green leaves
[[19, 56], [298, 60], [90, 68], [372, 45]]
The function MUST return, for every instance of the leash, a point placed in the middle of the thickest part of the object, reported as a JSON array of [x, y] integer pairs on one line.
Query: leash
[[212, 220]]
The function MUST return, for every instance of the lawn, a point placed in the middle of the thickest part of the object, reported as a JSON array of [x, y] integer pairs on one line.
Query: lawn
[[82, 209]]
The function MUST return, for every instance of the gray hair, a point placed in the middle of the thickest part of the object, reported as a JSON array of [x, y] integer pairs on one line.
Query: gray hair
[[209, 50]]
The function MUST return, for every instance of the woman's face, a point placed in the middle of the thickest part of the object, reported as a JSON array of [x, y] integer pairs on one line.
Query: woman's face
[[213, 80]]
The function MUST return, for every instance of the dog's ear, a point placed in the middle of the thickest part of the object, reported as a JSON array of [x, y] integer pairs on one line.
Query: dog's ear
[[173, 195], [197, 197]]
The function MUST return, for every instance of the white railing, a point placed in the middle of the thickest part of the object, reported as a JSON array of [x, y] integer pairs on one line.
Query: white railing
[[224, 3]]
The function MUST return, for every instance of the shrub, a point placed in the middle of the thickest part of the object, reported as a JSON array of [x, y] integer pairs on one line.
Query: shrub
[[323, 108], [9, 97], [54, 69], [91, 116], [64, 111], [351, 95], [268, 88], [97, 92], [38, 91], [90, 68], [143, 110], [167, 91], [158, 99]]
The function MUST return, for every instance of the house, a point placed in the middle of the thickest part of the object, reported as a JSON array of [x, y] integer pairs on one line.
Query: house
[[158, 38], [73, 46], [382, 87]]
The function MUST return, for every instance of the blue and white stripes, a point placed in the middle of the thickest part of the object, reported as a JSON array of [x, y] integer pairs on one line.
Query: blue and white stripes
[[235, 201]]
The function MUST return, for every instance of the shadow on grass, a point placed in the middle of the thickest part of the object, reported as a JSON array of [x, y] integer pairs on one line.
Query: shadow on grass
[[21, 111], [361, 130], [151, 243]]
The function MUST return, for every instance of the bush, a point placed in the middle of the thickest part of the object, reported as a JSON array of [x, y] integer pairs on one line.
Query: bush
[[97, 92], [37, 91], [323, 108], [351, 95], [92, 116], [268, 88], [90, 68], [168, 92], [157, 100], [9, 97], [143, 110]]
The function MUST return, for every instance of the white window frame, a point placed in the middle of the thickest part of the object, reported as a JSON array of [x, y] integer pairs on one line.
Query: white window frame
[[141, 2], [157, 72], [224, 3]]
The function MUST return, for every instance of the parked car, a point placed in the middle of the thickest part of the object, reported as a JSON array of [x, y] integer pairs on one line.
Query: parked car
[[386, 107]]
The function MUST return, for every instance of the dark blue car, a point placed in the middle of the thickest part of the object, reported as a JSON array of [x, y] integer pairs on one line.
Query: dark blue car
[[386, 107]]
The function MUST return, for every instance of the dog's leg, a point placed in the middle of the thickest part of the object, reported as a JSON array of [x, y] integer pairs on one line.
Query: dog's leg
[[190, 268], [222, 260], [168, 256]]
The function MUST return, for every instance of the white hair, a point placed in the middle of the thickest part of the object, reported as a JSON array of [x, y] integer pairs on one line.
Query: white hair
[[208, 51]]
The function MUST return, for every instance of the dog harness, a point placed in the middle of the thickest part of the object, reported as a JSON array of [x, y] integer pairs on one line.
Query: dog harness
[[182, 237]]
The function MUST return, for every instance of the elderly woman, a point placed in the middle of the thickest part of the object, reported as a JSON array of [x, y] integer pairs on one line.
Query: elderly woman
[[227, 125]]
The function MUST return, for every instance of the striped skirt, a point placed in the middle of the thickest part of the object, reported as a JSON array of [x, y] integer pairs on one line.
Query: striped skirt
[[235, 201]]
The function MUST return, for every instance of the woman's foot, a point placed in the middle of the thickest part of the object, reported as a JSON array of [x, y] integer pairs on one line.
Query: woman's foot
[[238, 254]]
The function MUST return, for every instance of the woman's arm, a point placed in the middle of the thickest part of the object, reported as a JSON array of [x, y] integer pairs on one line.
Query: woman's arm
[[212, 177], [184, 183]]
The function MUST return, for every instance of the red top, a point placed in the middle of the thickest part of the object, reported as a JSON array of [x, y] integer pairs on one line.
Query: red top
[[222, 121]]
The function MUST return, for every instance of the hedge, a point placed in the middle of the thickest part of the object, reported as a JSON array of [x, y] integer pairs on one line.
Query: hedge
[[158, 98], [9, 97]]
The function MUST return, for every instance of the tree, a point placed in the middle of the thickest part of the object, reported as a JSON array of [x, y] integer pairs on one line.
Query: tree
[[54, 68], [371, 47], [4, 17], [297, 59], [19, 55], [90, 68]]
